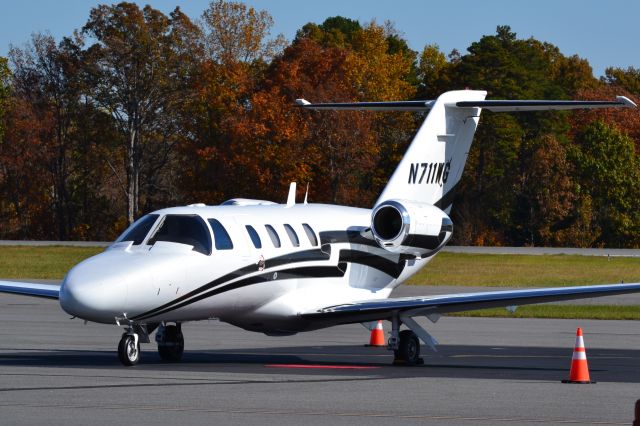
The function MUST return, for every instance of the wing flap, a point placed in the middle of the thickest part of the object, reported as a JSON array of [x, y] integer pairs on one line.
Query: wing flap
[[442, 304], [48, 291]]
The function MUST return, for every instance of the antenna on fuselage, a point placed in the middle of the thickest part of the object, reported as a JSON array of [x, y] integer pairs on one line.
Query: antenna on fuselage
[[306, 194], [291, 199]]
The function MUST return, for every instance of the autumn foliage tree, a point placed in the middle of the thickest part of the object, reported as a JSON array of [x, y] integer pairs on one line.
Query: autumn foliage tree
[[140, 109]]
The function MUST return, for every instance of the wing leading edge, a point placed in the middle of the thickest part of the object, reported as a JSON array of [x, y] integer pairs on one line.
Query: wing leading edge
[[48, 291], [442, 304]]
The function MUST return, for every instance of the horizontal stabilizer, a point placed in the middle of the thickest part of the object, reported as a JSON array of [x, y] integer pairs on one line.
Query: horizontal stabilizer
[[491, 105], [372, 106], [514, 106]]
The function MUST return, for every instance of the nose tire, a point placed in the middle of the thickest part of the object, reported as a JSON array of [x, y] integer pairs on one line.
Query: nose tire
[[129, 350]]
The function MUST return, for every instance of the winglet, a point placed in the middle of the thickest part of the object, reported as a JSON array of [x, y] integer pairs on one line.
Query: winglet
[[626, 101]]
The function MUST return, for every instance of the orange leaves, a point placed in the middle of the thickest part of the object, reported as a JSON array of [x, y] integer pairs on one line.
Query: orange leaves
[[626, 120], [237, 33], [24, 180]]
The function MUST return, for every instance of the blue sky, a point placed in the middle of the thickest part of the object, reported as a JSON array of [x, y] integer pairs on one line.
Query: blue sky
[[600, 31]]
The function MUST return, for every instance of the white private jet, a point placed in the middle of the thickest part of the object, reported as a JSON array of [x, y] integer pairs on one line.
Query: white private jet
[[281, 269]]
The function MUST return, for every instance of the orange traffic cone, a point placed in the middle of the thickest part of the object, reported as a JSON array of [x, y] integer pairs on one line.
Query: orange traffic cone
[[377, 336], [579, 372]]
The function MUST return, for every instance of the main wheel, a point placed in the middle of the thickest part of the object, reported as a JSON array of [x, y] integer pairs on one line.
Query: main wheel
[[128, 350], [171, 347], [409, 348]]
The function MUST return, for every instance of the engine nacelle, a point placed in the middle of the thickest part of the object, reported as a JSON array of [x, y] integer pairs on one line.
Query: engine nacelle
[[411, 228]]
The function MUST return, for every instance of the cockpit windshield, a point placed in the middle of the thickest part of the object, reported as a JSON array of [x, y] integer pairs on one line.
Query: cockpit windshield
[[139, 229], [184, 229]]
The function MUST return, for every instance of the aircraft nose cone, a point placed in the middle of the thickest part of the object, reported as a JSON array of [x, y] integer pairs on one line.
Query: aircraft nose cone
[[90, 293]]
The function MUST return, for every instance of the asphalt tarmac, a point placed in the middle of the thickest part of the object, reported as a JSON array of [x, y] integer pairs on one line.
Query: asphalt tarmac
[[57, 371]]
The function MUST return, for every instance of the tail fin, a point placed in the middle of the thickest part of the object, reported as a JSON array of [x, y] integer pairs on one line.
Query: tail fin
[[435, 159], [433, 164]]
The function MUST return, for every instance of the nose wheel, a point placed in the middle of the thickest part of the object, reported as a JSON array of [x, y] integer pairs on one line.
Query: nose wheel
[[170, 342], [129, 349]]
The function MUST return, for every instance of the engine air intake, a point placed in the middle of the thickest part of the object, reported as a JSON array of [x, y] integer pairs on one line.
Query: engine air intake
[[416, 229], [387, 223]]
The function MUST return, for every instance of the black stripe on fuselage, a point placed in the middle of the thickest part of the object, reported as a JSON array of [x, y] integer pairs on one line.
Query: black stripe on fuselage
[[349, 237], [301, 256], [287, 274], [389, 267]]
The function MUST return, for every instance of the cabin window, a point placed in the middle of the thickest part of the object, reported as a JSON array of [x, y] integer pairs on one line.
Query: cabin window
[[292, 235], [310, 234], [275, 239], [220, 236], [139, 229], [184, 229], [255, 238]]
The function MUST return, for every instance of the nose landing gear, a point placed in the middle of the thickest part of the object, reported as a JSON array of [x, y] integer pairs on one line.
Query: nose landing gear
[[129, 349], [129, 346]]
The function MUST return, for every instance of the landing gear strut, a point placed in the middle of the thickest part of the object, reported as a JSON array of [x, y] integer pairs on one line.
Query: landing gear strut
[[405, 344], [129, 349], [129, 346], [170, 342]]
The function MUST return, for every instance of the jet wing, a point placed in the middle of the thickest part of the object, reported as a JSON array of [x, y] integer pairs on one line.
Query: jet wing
[[48, 291], [435, 305]]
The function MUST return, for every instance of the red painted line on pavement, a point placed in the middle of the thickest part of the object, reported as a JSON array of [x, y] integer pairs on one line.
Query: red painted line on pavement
[[327, 367]]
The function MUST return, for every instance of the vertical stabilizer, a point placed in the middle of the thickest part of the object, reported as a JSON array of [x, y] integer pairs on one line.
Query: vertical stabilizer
[[433, 164]]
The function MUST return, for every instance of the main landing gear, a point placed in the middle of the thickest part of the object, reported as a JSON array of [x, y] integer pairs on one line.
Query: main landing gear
[[408, 352], [406, 343], [170, 342]]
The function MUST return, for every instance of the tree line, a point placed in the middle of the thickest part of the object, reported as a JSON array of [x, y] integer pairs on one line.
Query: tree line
[[139, 110]]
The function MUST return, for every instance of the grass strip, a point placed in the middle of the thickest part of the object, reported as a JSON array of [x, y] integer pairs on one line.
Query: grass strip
[[52, 263], [499, 270], [599, 312]]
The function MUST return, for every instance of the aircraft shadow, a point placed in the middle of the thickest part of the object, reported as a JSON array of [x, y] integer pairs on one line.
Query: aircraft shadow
[[451, 361]]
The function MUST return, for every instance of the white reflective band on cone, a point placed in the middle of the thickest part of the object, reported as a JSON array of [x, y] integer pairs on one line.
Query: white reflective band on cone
[[579, 355], [579, 342]]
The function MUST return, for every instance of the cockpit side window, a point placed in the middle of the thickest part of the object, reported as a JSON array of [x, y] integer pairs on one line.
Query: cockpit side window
[[184, 229], [139, 230], [220, 235]]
